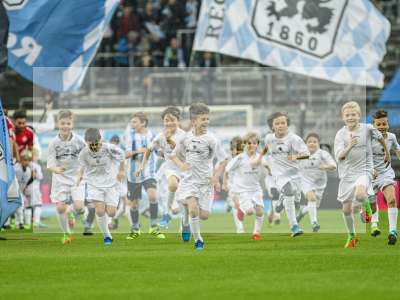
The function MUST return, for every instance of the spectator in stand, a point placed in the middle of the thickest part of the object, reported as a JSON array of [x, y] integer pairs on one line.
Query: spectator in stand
[[173, 58], [11, 134], [192, 9], [208, 65], [145, 65], [129, 20], [173, 17], [24, 136]]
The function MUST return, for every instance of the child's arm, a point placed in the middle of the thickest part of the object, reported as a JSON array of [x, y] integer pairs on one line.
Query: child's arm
[[217, 174], [142, 165], [51, 161], [387, 158], [184, 166], [80, 176], [342, 153], [258, 161], [225, 182], [121, 171]]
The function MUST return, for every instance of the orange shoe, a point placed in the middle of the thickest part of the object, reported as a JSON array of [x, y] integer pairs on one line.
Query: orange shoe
[[67, 239], [256, 237], [352, 241]]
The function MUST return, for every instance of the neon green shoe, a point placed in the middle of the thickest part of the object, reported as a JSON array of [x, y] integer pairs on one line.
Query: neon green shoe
[[155, 231], [135, 233], [375, 231], [66, 239], [367, 211], [351, 242]]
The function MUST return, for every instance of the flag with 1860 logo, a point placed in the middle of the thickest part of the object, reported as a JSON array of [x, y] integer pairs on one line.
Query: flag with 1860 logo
[[338, 40]]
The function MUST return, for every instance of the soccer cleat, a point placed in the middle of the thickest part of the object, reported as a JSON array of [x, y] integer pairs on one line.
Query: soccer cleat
[[155, 231], [199, 245], [367, 211], [375, 231], [392, 238], [108, 240], [66, 239], [165, 220], [186, 233], [87, 231], [351, 242], [256, 237], [240, 214], [296, 230], [40, 225], [135, 233], [21, 226], [315, 227]]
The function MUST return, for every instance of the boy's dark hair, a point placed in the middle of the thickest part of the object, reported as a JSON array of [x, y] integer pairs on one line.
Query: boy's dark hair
[[171, 110], [276, 115], [197, 109], [142, 117], [115, 139], [314, 135], [249, 136], [65, 114], [92, 135], [237, 143], [379, 114], [19, 114]]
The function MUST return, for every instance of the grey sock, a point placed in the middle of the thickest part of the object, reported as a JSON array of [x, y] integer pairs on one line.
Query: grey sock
[[135, 218], [90, 216], [153, 214]]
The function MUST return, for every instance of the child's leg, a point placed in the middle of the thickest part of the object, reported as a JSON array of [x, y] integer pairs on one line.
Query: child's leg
[[238, 224], [348, 217], [259, 219], [194, 217], [153, 202], [289, 195], [37, 212], [390, 196], [312, 206], [102, 218], [61, 209], [173, 182], [28, 216]]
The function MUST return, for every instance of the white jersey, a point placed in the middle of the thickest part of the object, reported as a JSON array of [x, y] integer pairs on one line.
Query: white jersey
[[359, 160], [199, 152], [246, 177], [379, 154], [279, 149], [27, 183], [101, 168], [65, 154], [160, 143], [310, 169]]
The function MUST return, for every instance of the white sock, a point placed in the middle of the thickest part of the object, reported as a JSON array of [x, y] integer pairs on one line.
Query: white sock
[[19, 216], [258, 222], [171, 198], [119, 212], [37, 212], [185, 216], [392, 216], [103, 225], [195, 228], [304, 209], [28, 216], [63, 221], [375, 216], [238, 223], [349, 221], [312, 210], [128, 216], [290, 209]]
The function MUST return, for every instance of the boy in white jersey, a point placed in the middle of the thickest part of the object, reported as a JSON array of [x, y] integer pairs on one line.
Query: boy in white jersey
[[249, 172], [314, 178], [138, 137], [384, 176], [199, 148], [103, 167], [62, 162], [285, 150], [353, 153], [229, 186], [165, 143]]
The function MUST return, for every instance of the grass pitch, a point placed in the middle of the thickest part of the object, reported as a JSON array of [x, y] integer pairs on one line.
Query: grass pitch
[[313, 266]]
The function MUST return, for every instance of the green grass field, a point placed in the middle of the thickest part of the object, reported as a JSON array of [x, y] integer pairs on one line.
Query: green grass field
[[313, 266]]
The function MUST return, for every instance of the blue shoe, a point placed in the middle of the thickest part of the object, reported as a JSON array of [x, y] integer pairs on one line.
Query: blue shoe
[[296, 230], [165, 221], [186, 233], [108, 240], [392, 238], [199, 245]]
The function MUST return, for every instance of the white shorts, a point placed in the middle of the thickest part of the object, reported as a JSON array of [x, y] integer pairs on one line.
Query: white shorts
[[295, 182], [202, 192], [231, 198], [381, 182], [307, 187], [61, 192], [108, 195], [347, 188], [248, 200]]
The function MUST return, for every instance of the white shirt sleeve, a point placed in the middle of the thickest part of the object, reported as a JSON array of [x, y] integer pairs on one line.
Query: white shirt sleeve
[[375, 133], [220, 152], [395, 144], [233, 164], [128, 139], [38, 170], [51, 156], [339, 144], [116, 153], [299, 146], [327, 158]]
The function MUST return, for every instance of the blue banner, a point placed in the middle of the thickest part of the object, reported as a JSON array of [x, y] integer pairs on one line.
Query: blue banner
[[52, 42], [7, 174]]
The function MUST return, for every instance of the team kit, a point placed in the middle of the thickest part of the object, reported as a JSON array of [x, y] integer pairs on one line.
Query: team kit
[[105, 181]]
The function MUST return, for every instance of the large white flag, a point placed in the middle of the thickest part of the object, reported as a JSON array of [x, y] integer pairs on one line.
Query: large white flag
[[338, 40]]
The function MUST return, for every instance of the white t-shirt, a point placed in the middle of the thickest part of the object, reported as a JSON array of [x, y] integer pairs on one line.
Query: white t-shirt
[[379, 154]]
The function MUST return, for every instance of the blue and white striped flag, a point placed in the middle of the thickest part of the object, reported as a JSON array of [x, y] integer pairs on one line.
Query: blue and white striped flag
[[337, 40], [52, 42], [7, 174]]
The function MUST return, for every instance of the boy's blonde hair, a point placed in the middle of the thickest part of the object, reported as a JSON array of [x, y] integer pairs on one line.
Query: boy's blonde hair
[[352, 105], [251, 136], [65, 114], [26, 155]]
